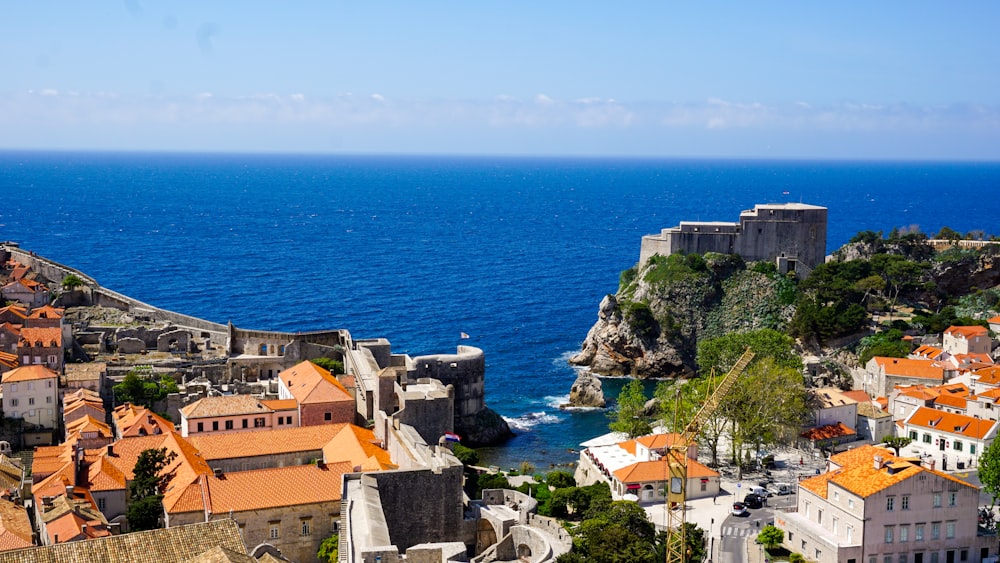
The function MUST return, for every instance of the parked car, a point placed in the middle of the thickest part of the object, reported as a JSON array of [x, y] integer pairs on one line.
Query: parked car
[[740, 509], [754, 501], [761, 492], [783, 488]]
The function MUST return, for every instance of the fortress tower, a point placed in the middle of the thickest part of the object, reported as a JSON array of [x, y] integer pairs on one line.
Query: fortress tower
[[792, 235]]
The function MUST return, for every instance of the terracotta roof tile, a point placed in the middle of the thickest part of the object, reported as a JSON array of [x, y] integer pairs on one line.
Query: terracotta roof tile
[[48, 336], [309, 383], [15, 528], [281, 404], [265, 442], [908, 367], [47, 312], [29, 373], [8, 360], [262, 489], [359, 447], [858, 395], [14, 311], [828, 432], [224, 405], [967, 331], [951, 423], [988, 376], [646, 471], [132, 421]]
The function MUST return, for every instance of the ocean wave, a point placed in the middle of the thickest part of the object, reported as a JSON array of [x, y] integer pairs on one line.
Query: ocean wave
[[529, 420]]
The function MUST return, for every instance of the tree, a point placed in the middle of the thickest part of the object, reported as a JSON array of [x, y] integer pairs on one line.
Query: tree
[[560, 479], [335, 367], [630, 416], [467, 456], [329, 550], [888, 344], [947, 233], [722, 353], [145, 505], [771, 537], [896, 442], [694, 540], [764, 406], [140, 389], [989, 471], [72, 282]]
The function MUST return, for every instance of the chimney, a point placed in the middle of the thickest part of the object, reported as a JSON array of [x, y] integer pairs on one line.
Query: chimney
[[83, 530], [218, 473], [69, 491], [878, 462]]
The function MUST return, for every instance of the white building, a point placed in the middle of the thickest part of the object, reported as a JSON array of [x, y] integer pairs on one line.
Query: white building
[[873, 507], [950, 440], [966, 340], [31, 393]]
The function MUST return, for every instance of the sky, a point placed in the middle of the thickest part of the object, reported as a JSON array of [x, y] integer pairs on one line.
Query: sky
[[867, 80]]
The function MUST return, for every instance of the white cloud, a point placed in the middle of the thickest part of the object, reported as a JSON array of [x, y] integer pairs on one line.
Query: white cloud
[[378, 97]]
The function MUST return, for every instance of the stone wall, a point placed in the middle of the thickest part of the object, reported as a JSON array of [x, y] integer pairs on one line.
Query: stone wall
[[423, 506]]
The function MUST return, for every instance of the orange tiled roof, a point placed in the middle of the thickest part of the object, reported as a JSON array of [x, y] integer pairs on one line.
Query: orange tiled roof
[[8, 360], [858, 395], [47, 312], [828, 432], [628, 446], [951, 423], [262, 489], [359, 447], [882, 402], [647, 471], [994, 320], [907, 367], [16, 311], [103, 474], [928, 351], [266, 442], [967, 331], [48, 336], [951, 401], [992, 394], [224, 405], [309, 383], [989, 375], [29, 373], [281, 404], [856, 472], [133, 421]]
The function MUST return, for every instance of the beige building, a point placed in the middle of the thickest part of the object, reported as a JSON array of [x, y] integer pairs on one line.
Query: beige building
[[31, 393], [967, 340], [237, 413], [883, 373], [874, 507]]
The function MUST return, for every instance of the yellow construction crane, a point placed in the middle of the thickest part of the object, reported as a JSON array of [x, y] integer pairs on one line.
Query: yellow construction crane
[[677, 462]]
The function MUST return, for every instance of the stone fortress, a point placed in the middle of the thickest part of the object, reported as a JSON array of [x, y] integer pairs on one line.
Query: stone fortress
[[792, 235], [418, 512]]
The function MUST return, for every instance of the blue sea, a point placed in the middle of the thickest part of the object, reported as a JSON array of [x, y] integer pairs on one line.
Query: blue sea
[[516, 252]]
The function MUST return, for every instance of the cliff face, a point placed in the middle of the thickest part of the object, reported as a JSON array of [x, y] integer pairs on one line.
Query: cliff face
[[652, 325]]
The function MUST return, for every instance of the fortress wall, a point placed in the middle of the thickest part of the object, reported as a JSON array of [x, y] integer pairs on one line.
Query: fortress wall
[[465, 371], [794, 233], [423, 506]]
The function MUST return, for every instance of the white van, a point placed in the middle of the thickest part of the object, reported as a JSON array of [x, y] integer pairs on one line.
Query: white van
[[761, 492]]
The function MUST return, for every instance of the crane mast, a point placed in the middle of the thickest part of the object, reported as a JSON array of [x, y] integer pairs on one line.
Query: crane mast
[[677, 456]]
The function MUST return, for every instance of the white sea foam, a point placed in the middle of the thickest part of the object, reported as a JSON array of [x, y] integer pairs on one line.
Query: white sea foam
[[529, 420]]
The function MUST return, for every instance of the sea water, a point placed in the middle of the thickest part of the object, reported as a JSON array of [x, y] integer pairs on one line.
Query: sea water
[[515, 252]]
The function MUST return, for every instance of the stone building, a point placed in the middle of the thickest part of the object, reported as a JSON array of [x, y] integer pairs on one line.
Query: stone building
[[237, 413], [321, 398], [31, 393], [792, 235], [41, 346], [958, 340]]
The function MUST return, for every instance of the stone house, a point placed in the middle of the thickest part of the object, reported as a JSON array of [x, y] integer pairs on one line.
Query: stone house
[[131, 421], [31, 393], [290, 508], [874, 506], [80, 403], [966, 340], [41, 346], [948, 439], [321, 398], [28, 292], [237, 413], [883, 373], [90, 375], [15, 527]]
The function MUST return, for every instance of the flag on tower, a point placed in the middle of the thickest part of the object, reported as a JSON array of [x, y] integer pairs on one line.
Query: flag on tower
[[452, 437]]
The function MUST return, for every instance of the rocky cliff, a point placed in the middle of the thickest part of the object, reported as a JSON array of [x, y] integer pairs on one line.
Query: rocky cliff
[[651, 326]]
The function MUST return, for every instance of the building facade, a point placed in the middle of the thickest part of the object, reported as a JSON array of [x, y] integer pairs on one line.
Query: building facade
[[31, 393]]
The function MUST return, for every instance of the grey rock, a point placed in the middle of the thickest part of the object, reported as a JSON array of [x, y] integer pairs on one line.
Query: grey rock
[[586, 392]]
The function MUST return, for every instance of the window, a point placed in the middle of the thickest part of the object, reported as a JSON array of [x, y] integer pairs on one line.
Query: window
[[335, 524], [934, 557], [836, 495], [937, 500], [888, 534], [935, 530], [258, 422], [803, 545], [890, 504], [819, 554], [48, 384], [819, 516], [306, 527], [835, 521], [229, 425], [328, 416], [13, 402], [281, 421], [904, 533], [48, 399], [100, 504], [850, 503], [902, 558], [913, 435], [201, 427], [972, 449], [952, 499], [288, 420], [957, 445], [31, 400], [887, 559], [215, 425], [950, 530], [245, 423], [52, 362], [850, 534], [905, 503], [918, 532], [275, 531], [963, 555]]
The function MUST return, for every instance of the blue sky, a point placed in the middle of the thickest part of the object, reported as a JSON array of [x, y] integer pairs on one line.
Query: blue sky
[[760, 80]]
